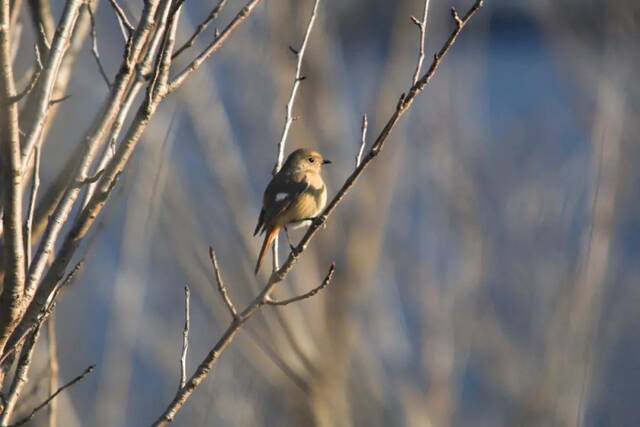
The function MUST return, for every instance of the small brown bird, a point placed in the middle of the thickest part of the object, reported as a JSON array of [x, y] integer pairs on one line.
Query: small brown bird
[[295, 195]]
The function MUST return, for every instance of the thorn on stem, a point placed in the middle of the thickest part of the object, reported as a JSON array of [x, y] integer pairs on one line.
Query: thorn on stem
[[59, 100], [294, 51], [416, 21]]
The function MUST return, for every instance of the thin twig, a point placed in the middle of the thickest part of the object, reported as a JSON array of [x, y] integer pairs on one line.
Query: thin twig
[[94, 46], [45, 39], [309, 294], [35, 185], [221, 287], [53, 396], [288, 119], [125, 25], [213, 47], [32, 81], [185, 337], [363, 139], [422, 27], [59, 100], [201, 27]]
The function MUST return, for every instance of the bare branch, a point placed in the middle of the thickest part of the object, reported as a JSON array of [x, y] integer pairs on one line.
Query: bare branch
[[221, 287], [201, 27], [185, 338], [94, 45], [422, 26], [324, 284], [53, 396], [244, 13], [363, 139], [262, 298], [298, 78]]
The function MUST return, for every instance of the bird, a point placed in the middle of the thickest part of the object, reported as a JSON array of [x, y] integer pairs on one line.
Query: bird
[[295, 195]]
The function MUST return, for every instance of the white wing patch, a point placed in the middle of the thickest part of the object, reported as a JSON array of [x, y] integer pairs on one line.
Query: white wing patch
[[281, 196]]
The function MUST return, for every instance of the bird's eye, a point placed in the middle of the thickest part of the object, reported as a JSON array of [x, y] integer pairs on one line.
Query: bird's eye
[[311, 159]]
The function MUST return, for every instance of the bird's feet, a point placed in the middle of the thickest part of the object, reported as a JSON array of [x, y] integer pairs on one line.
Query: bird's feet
[[319, 221], [294, 249]]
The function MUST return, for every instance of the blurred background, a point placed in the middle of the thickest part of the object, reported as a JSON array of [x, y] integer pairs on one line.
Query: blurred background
[[487, 262]]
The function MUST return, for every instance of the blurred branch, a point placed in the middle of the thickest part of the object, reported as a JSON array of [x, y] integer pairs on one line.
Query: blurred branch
[[53, 396], [201, 27]]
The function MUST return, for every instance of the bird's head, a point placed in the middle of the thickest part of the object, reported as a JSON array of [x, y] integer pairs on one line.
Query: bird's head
[[306, 160]]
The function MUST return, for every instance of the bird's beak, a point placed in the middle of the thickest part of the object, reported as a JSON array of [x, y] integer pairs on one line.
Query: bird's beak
[[326, 162]]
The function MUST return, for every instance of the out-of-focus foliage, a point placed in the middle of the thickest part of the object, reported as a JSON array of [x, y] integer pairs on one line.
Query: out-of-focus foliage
[[487, 264]]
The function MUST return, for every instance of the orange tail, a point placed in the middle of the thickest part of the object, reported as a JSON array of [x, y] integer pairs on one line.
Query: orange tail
[[272, 233]]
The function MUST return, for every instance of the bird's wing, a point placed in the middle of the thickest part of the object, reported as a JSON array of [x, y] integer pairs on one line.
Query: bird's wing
[[281, 192]]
